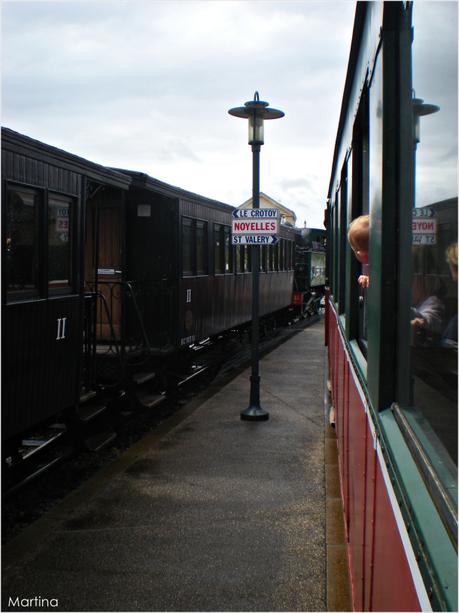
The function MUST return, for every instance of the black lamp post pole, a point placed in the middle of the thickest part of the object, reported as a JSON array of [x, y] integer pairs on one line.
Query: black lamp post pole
[[254, 411]]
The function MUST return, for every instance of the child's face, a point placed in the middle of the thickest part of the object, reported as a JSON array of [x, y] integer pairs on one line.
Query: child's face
[[362, 256]]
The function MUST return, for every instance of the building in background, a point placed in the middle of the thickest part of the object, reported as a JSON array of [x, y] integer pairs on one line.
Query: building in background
[[288, 217]]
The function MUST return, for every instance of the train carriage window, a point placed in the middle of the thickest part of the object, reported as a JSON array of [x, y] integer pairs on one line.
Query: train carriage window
[[275, 249], [270, 258], [247, 258], [201, 248], [263, 258], [59, 242], [228, 249], [433, 319], [22, 242], [358, 194], [219, 254], [188, 242], [281, 253], [240, 258]]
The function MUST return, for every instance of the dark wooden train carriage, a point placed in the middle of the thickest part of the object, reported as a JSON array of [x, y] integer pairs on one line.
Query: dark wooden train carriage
[[190, 283], [46, 193]]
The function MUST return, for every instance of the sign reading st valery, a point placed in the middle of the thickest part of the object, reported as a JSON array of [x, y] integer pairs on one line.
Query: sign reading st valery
[[255, 227]]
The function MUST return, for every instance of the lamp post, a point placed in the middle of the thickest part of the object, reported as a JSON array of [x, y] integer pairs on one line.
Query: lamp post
[[256, 111]]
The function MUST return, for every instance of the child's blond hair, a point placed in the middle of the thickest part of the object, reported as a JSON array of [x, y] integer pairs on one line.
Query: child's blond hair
[[451, 255], [359, 233]]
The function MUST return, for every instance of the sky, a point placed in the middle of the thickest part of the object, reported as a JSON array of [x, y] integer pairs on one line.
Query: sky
[[147, 85]]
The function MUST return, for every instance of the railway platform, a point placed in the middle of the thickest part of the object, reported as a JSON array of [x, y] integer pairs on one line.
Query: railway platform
[[209, 513]]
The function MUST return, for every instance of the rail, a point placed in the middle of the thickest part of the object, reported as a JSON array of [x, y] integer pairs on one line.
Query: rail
[[134, 318]]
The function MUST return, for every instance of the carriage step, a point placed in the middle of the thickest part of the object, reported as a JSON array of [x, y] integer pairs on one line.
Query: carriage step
[[143, 377], [36, 443], [149, 400], [197, 372], [40, 469], [90, 412], [87, 396], [99, 441]]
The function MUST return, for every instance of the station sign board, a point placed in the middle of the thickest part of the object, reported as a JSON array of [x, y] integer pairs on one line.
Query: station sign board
[[255, 227]]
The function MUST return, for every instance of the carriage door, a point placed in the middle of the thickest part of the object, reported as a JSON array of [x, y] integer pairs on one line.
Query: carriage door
[[104, 268]]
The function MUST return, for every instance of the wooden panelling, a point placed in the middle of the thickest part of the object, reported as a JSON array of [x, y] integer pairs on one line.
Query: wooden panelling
[[380, 574], [39, 377], [30, 171]]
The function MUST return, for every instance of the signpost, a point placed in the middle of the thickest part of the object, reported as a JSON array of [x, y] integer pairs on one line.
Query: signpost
[[256, 111], [255, 227]]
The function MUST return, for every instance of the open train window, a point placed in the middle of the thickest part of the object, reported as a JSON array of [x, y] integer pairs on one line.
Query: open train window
[[60, 243], [358, 193], [21, 247]]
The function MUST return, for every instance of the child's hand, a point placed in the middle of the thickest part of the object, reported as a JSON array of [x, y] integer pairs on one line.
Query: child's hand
[[363, 280]]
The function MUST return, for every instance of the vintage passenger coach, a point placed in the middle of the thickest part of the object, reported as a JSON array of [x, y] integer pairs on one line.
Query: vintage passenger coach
[[392, 346]]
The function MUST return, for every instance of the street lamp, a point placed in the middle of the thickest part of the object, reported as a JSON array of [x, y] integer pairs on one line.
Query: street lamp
[[256, 111]]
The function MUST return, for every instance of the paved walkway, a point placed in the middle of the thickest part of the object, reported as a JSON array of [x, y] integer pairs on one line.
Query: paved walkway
[[217, 515]]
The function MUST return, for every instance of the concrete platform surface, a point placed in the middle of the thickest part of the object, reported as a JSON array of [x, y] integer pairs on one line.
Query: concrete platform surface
[[220, 515]]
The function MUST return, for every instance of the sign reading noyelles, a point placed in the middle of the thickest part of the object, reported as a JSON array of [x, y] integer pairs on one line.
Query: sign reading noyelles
[[255, 223]]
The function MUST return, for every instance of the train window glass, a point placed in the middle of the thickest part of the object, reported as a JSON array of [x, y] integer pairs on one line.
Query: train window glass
[[201, 248], [187, 246], [228, 249], [59, 242], [240, 258], [434, 316], [218, 249], [281, 254], [21, 242], [276, 257], [247, 258]]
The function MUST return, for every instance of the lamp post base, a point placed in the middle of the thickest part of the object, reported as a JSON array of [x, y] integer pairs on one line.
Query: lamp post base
[[254, 414]]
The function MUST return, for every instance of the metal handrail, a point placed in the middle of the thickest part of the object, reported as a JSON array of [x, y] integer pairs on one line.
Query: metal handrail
[[139, 316]]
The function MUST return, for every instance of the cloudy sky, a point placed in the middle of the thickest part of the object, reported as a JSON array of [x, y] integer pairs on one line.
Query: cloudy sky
[[147, 85]]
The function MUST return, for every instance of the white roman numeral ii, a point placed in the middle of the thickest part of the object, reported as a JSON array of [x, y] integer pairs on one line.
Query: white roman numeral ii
[[61, 328]]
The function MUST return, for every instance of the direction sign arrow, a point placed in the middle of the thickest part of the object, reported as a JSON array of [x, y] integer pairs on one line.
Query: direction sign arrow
[[255, 213]]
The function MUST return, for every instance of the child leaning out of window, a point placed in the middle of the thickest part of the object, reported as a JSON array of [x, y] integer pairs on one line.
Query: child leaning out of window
[[358, 236]]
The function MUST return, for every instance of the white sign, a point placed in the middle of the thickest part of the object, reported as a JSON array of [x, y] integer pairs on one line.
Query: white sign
[[257, 239], [143, 210], [260, 226], [256, 214]]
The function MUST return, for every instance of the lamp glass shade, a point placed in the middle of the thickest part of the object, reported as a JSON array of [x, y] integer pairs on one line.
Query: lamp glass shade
[[256, 131]]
